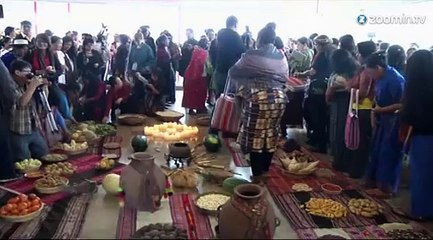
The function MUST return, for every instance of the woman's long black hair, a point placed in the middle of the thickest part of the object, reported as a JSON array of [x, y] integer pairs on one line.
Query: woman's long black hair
[[343, 63], [418, 95], [377, 59]]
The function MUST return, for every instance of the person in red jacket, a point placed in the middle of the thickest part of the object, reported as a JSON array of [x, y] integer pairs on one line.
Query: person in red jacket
[[117, 97]]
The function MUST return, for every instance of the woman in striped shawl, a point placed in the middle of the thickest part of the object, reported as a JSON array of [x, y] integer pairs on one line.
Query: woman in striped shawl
[[259, 79]]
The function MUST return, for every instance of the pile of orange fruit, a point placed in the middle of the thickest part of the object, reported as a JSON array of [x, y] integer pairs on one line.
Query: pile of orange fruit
[[21, 205]]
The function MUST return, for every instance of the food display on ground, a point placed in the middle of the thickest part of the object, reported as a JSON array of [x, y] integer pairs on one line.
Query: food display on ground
[[74, 147], [160, 231], [21, 208], [88, 131], [184, 178], [62, 168], [50, 181], [301, 187], [28, 165], [299, 156], [298, 163], [211, 201], [325, 208], [105, 164], [54, 157], [84, 136], [216, 176], [105, 130], [407, 234], [364, 207], [171, 131], [331, 188], [169, 116]]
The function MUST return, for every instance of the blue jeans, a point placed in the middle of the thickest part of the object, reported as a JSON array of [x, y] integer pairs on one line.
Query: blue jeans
[[28, 146]]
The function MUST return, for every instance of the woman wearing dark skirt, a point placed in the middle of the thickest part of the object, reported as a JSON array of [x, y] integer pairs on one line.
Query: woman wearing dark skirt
[[417, 113], [259, 78], [357, 159], [337, 95]]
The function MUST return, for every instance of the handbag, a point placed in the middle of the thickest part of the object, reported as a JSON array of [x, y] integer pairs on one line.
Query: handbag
[[52, 138], [227, 114], [351, 134]]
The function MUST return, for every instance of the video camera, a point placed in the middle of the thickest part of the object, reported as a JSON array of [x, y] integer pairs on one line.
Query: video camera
[[51, 76]]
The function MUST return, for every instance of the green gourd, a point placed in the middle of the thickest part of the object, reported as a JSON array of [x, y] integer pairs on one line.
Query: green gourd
[[139, 143]]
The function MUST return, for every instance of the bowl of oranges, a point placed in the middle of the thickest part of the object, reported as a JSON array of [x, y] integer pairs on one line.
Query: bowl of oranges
[[22, 208]]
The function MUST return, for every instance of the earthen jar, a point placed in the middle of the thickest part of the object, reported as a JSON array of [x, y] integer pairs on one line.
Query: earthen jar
[[247, 215], [143, 183]]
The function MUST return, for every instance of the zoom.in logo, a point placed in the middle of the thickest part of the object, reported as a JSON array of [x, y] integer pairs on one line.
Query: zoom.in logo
[[361, 19]]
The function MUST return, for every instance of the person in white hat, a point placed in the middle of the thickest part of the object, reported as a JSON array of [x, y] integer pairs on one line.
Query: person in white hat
[[19, 50]]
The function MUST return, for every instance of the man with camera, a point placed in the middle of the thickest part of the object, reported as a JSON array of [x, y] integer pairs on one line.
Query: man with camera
[[26, 138]]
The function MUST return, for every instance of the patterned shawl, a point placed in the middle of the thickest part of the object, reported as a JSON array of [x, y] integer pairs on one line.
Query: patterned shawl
[[266, 64]]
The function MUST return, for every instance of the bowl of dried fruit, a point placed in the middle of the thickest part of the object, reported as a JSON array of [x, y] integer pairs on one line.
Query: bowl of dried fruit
[[331, 188], [51, 184]]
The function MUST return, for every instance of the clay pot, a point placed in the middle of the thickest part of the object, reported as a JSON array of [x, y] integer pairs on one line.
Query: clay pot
[[247, 215], [179, 150], [143, 183]]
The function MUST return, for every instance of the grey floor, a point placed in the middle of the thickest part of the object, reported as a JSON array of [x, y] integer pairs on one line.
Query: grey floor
[[102, 216]]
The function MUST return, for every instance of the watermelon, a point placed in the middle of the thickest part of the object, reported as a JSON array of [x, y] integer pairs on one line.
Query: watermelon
[[212, 143], [139, 143], [230, 183]]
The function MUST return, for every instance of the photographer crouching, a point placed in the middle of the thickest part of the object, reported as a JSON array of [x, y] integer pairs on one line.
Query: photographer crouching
[[26, 138]]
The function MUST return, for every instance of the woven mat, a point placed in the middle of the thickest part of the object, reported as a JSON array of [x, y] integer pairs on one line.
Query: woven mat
[[290, 203], [62, 220], [184, 215], [280, 182], [238, 157], [367, 232], [85, 170]]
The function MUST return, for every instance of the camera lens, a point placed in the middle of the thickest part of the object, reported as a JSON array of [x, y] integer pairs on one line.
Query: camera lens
[[29, 76]]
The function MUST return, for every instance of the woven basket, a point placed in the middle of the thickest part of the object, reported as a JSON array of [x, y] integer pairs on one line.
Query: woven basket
[[24, 218], [206, 211], [172, 116], [63, 158], [203, 121], [77, 152], [52, 190], [131, 119]]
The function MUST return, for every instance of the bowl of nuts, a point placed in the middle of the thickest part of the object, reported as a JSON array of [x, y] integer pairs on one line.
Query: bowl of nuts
[[209, 202], [51, 184]]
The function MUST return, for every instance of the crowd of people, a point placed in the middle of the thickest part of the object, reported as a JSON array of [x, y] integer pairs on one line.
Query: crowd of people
[[88, 79]]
